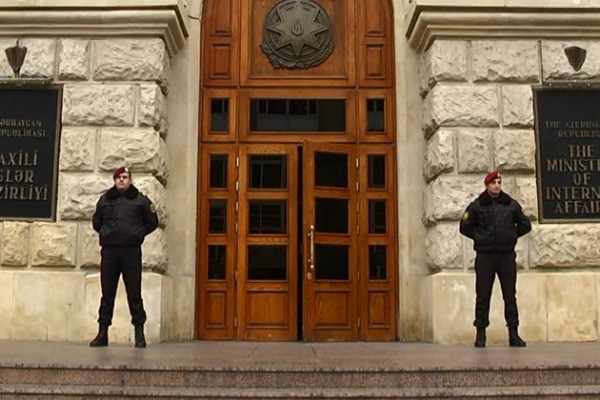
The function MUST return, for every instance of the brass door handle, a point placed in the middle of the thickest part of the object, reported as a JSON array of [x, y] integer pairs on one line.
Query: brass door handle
[[311, 256]]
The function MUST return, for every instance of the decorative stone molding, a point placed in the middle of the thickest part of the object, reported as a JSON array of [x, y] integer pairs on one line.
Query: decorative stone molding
[[429, 20], [104, 18]]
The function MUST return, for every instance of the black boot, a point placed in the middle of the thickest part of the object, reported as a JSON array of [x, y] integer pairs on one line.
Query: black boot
[[140, 339], [101, 339], [514, 340], [480, 338]]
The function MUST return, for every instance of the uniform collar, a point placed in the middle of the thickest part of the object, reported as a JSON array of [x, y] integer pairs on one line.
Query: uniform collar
[[485, 198], [130, 193]]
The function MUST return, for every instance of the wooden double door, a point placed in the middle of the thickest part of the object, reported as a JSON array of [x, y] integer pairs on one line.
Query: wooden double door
[[297, 242]]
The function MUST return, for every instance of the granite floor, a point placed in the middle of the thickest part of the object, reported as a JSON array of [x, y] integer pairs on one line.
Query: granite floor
[[300, 356]]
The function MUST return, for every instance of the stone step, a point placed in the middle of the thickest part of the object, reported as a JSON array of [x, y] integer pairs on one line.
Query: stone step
[[279, 376], [92, 392]]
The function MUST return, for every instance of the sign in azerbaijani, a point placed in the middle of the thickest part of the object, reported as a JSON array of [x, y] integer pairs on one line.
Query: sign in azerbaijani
[[29, 146], [568, 153]]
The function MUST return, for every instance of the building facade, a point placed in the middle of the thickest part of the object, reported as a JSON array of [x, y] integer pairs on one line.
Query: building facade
[[309, 161]]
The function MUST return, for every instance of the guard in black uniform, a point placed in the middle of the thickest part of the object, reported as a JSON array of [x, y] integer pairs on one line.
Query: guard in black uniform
[[123, 218], [495, 221]]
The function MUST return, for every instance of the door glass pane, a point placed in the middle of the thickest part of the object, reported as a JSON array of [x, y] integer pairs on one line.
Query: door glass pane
[[217, 216], [376, 171], [377, 262], [331, 169], [218, 171], [377, 216], [297, 115], [331, 215], [268, 216], [216, 261], [219, 115], [267, 263], [268, 172], [375, 115], [331, 262]]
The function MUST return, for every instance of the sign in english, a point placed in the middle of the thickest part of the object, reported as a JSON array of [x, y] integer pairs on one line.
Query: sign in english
[[567, 122], [29, 150]]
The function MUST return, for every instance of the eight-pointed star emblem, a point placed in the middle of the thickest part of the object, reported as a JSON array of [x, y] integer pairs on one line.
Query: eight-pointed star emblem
[[297, 34], [298, 27]]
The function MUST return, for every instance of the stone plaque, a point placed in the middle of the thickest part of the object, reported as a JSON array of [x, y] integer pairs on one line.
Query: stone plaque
[[568, 153], [29, 146]]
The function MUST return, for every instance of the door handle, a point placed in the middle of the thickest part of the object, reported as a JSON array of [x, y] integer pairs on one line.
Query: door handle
[[311, 250]]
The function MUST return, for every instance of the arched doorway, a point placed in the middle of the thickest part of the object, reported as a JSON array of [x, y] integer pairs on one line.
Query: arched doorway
[[297, 199]]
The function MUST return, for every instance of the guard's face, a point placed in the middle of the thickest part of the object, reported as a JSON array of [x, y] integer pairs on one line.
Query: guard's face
[[123, 181], [494, 187]]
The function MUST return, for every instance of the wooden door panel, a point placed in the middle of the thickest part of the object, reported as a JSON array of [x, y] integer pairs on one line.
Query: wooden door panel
[[377, 243], [330, 271], [375, 43], [221, 43], [336, 70], [214, 132], [216, 250], [247, 135], [376, 116], [267, 254]]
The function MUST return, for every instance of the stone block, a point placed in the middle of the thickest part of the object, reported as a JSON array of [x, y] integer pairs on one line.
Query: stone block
[[66, 294], [517, 106], [505, 60], [532, 304], [153, 108], [157, 193], [15, 243], [526, 194], [98, 105], [182, 318], [555, 64], [142, 149], [5, 69], [7, 304], [445, 60], [465, 106], [572, 317], [514, 150], [154, 251], [474, 150], [74, 59], [447, 197], [89, 246], [444, 247], [77, 149], [131, 60], [40, 59], [454, 305], [30, 293], [439, 154], [53, 244], [78, 195], [565, 245]]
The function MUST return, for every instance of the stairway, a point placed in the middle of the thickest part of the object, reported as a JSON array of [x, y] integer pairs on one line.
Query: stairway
[[289, 382], [250, 370]]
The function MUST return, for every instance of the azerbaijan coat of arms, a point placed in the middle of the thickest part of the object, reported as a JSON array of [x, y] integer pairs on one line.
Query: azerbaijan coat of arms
[[297, 34]]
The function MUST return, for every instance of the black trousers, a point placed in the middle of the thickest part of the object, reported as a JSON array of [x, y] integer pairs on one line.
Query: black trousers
[[487, 266], [116, 261]]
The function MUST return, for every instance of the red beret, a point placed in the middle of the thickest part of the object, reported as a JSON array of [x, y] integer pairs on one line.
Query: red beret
[[491, 176], [119, 171]]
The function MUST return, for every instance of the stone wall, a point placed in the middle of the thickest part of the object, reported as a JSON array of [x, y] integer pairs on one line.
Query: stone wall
[[114, 113], [477, 108]]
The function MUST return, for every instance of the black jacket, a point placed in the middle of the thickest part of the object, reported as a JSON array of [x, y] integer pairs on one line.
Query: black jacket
[[123, 220], [494, 224]]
